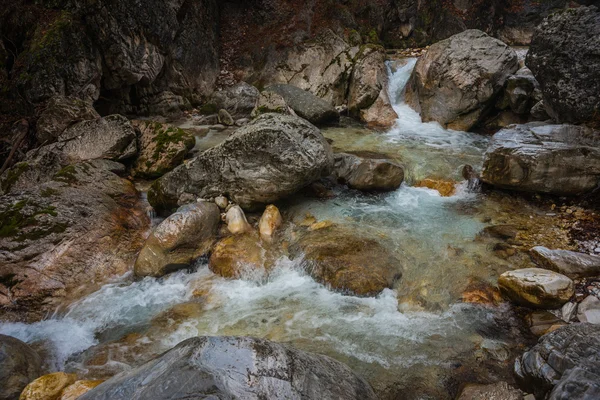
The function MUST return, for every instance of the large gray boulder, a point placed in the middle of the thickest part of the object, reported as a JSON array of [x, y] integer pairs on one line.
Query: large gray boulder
[[19, 365], [570, 263], [235, 368], [564, 58], [60, 113], [239, 100], [271, 158], [306, 105], [555, 159], [458, 79], [84, 225], [564, 364], [367, 173], [178, 240]]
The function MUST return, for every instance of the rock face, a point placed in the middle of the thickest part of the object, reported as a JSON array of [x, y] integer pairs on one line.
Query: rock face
[[564, 58], [564, 364], [19, 365], [570, 263], [264, 161], [368, 174], [306, 105], [162, 148], [244, 368], [459, 78], [84, 225], [535, 287], [177, 241], [555, 159], [60, 113], [239, 100], [350, 264]]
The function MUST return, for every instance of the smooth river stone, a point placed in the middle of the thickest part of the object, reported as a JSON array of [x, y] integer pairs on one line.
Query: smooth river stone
[[570, 263], [536, 287]]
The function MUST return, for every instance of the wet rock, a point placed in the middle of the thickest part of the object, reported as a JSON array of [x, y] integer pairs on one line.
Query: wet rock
[[270, 102], [19, 365], [78, 389], [84, 226], [308, 106], [535, 287], [563, 58], [503, 232], [368, 174], [236, 221], [48, 387], [496, 391], [60, 113], [351, 264], [564, 364], [269, 222], [239, 100], [543, 322], [228, 367], [570, 263], [589, 310], [554, 159], [262, 162], [225, 118], [445, 188], [240, 256], [177, 241], [162, 148], [222, 202], [380, 114], [458, 78]]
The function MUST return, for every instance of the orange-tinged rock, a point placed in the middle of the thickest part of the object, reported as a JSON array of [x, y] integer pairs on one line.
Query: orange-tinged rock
[[445, 188], [269, 222], [48, 387], [78, 389], [240, 255]]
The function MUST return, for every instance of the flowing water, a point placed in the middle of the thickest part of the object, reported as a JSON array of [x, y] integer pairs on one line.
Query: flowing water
[[416, 341]]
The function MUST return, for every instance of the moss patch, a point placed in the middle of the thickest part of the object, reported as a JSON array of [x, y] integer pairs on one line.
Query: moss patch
[[13, 174], [66, 175], [21, 221]]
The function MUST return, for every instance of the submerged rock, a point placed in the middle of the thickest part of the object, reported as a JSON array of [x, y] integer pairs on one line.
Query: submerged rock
[[564, 364], [269, 222], [177, 241], [83, 226], [60, 113], [564, 58], [162, 148], [445, 188], [459, 78], [19, 365], [306, 104], [554, 159], [351, 264], [368, 174], [240, 256], [570, 263], [228, 367], [48, 387], [269, 159], [535, 287]]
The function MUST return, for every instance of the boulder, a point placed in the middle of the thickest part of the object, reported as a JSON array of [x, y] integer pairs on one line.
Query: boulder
[[459, 79], [538, 112], [84, 226], [239, 100], [78, 389], [554, 159], [308, 106], [225, 118], [348, 263], [570, 263], [235, 367], [564, 364], [269, 222], [19, 365], [178, 240], [241, 256], [535, 287], [270, 102], [269, 159], [368, 174], [236, 221], [519, 92], [496, 391], [162, 148], [60, 113], [444, 188], [48, 387], [564, 59], [589, 310]]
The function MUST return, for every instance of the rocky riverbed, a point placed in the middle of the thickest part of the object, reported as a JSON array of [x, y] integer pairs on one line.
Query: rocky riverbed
[[357, 223]]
